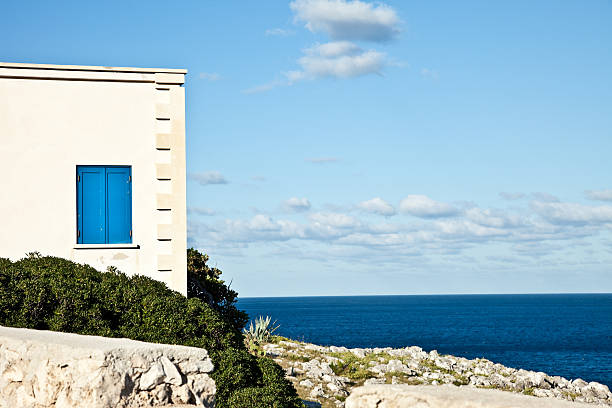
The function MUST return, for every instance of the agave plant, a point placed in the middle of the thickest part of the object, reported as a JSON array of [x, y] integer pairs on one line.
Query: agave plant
[[261, 332]]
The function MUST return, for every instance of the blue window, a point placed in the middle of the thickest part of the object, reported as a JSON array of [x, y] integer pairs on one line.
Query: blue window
[[104, 204]]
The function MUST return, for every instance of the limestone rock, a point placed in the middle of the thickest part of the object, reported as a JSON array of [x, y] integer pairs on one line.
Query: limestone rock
[[412, 365], [307, 383], [152, 378], [404, 396], [40, 369], [317, 391]]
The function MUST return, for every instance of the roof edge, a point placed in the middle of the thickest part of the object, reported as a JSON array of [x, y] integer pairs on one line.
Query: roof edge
[[18, 65]]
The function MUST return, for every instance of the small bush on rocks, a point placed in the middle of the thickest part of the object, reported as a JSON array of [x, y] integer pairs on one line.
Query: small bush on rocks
[[49, 293]]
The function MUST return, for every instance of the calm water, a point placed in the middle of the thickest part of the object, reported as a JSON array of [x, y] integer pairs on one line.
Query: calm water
[[567, 335]]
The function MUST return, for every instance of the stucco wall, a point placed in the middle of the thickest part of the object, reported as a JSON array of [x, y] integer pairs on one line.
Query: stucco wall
[[53, 119]]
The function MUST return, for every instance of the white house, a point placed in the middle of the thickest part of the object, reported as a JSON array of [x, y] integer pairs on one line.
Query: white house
[[93, 167]]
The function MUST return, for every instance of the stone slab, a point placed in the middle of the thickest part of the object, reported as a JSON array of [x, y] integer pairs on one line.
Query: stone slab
[[444, 396]]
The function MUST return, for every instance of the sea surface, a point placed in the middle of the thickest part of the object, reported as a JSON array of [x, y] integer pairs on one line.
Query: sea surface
[[567, 334]]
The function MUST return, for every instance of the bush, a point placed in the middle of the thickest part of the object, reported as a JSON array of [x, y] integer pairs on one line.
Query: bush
[[273, 391], [49, 293], [204, 283], [241, 372], [275, 383]]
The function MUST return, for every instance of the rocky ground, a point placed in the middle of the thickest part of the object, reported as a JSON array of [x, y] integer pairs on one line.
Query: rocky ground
[[326, 375]]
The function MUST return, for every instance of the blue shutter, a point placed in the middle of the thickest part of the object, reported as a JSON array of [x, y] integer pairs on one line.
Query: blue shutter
[[91, 205], [119, 205]]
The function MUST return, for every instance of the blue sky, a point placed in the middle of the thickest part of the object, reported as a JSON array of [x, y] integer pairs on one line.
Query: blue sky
[[349, 147]]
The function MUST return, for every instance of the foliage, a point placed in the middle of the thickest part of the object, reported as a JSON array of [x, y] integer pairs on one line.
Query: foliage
[[241, 372], [49, 293], [56, 294], [273, 392], [261, 332], [205, 283], [351, 366], [275, 382]]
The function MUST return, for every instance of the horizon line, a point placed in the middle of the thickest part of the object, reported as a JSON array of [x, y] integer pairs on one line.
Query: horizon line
[[433, 294]]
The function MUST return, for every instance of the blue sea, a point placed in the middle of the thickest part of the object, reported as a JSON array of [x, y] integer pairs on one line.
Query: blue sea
[[567, 334]]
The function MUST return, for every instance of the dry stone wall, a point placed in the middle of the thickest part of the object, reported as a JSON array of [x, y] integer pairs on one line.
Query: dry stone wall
[[40, 369]]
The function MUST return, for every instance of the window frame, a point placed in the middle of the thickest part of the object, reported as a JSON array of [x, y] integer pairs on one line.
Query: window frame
[[105, 197]]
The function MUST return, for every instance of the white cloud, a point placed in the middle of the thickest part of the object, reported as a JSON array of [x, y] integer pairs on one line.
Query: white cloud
[[322, 160], [295, 204], [383, 240], [344, 21], [337, 60], [335, 49], [262, 222], [279, 32], [201, 211], [466, 230], [210, 76], [336, 220], [493, 218], [511, 196], [259, 228], [599, 195], [572, 213], [532, 231], [348, 20], [208, 177], [424, 207], [377, 206], [330, 226]]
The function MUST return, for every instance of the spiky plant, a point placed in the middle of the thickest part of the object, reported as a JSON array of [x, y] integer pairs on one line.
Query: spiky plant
[[261, 332]]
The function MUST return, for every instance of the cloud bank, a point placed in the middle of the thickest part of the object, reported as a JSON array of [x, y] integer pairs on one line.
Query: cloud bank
[[599, 195], [418, 228]]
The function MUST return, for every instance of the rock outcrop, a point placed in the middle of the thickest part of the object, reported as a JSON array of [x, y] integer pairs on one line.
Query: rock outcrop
[[41, 369], [404, 396], [329, 374]]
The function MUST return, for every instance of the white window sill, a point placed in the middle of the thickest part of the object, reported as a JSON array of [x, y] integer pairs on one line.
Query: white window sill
[[106, 246]]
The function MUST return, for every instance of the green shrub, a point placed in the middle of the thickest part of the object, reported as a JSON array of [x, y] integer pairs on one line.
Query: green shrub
[[241, 372], [56, 294], [252, 397], [49, 293], [205, 283], [275, 383], [273, 391]]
